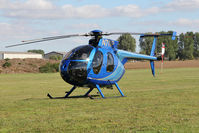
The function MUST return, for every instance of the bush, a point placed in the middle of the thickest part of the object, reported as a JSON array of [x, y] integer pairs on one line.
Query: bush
[[7, 59], [49, 68], [37, 51], [6, 64], [55, 57]]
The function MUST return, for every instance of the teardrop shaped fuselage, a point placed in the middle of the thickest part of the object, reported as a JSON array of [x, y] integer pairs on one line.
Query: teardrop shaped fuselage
[[86, 66]]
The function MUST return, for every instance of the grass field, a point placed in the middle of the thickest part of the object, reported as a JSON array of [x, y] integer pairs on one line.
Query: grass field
[[167, 103]]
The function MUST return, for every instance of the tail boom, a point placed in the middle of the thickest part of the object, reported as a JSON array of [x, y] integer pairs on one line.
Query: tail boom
[[124, 56]]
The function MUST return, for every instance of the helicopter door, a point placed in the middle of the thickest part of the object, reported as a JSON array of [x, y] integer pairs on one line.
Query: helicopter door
[[97, 62]]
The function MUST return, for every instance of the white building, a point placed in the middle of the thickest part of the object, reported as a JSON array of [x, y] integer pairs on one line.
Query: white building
[[20, 55]]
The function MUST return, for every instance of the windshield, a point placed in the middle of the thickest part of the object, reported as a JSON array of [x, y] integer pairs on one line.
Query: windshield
[[81, 53], [68, 54], [77, 71]]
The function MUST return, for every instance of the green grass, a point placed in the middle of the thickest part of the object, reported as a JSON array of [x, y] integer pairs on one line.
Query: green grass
[[168, 103]]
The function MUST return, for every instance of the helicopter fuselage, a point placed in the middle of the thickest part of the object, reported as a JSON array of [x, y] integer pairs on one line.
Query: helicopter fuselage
[[86, 65]]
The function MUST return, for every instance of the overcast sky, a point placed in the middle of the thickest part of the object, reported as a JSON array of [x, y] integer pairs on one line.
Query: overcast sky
[[30, 19]]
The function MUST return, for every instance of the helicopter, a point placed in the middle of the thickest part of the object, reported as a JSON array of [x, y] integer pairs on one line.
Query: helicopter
[[99, 63]]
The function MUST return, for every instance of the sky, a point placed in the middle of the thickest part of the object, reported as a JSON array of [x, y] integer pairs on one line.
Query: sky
[[32, 19]]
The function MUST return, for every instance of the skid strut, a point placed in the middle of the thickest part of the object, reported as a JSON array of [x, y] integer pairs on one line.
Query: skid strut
[[102, 95], [98, 87], [66, 96], [89, 91], [119, 89]]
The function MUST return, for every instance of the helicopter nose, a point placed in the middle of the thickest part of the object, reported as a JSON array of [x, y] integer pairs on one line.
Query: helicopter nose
[[74, 72], [77, 70]]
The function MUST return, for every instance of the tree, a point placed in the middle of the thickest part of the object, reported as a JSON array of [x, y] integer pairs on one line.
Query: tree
[[196, 45], [171, 46], [189, 44], [127, 42], [181, 47], [186, 46], [145, 45], [38, 51]]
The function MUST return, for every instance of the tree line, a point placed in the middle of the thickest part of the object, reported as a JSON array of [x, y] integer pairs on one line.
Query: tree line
[[184, 47]]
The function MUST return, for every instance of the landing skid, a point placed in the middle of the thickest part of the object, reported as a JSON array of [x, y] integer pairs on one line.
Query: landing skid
[[68, 93], [80, 96], [87, 94], [106, 97]]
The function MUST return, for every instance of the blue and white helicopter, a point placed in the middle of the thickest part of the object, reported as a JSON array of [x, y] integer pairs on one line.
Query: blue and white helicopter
[[100, 63]]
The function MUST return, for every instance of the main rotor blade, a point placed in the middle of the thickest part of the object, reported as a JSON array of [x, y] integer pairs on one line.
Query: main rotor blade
[[119, 33], [174, 34], [134, 33], [18, 44], [92, 33], [46, 39]]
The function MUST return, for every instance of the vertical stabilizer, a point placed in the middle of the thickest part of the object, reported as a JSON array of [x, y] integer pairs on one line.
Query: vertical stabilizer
[[152, 68], [153, 46], [153, 54]]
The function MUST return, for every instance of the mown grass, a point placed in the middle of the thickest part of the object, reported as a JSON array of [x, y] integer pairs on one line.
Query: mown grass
[[167, 103]]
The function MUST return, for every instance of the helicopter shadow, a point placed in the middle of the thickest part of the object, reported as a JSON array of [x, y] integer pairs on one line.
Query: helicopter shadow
[[75, 97], [70, 97]]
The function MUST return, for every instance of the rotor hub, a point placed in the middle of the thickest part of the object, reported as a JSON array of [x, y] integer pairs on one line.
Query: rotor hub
[[96, 33]]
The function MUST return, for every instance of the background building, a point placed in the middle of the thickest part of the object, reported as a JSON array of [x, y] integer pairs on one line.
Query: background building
[[54, 54], [20, 55]]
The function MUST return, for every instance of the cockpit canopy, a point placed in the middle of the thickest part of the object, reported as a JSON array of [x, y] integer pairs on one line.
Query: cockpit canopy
[[79, 53], [76, 72]]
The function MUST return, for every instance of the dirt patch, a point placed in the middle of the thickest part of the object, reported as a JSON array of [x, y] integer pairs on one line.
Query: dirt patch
[[166, 64], [24, 65]]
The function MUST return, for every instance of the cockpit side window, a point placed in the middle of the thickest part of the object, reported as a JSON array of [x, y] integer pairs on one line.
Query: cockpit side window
[[110, 62], [97, 62], [82, 53]]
